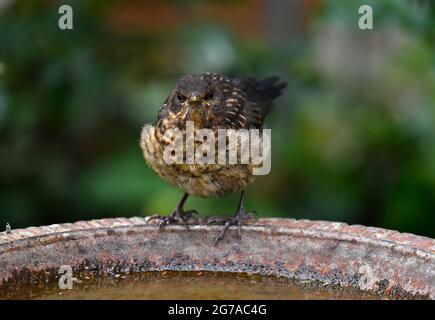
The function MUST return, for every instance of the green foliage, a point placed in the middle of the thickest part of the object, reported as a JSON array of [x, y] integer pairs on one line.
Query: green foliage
[[353, 140]]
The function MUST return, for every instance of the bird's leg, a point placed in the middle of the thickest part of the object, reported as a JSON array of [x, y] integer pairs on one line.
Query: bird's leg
[[177, 216], [237, 220]]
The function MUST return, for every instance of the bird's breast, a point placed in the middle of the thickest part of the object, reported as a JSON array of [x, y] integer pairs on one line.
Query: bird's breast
[[199, 179]]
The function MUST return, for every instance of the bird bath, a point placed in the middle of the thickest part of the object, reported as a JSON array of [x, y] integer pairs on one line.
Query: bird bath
[[275, 259]]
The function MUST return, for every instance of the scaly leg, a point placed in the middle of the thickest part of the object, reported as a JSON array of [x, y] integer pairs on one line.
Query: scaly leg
[[237, 220], [177, 216]]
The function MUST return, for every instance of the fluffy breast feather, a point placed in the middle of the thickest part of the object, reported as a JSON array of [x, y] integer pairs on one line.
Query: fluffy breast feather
[[196, 179]]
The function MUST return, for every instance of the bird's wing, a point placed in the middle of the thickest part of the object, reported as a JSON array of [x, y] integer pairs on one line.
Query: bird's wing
[[258, 96]]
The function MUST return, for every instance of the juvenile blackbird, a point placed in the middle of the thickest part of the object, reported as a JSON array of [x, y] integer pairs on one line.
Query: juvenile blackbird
[[214, 102]]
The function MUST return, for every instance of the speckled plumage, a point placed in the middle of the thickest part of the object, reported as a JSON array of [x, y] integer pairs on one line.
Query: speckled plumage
[[216, 102]]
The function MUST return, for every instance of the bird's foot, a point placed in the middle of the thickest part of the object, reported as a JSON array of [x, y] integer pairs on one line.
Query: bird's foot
[[238, 220], [178, 216]]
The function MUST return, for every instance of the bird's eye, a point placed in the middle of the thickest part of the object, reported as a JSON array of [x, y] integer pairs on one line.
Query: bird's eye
[[209, 95], [180, 97]]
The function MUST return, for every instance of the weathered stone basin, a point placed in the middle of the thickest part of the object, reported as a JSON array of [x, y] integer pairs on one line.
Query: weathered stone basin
[[384, 262]]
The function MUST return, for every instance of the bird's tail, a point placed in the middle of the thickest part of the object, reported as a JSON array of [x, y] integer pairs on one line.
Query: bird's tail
[[272, 86]]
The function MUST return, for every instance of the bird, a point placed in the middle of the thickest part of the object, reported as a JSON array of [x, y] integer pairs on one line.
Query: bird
[[211, 101]]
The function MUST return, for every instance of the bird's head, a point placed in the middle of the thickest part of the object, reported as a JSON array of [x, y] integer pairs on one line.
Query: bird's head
[[193, 99]]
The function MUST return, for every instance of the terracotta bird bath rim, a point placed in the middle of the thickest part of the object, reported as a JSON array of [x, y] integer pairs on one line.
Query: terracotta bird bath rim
[[384, 262]]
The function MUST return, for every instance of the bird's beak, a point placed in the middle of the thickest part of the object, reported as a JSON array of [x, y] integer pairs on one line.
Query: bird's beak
[[195, 112], [194, 100]]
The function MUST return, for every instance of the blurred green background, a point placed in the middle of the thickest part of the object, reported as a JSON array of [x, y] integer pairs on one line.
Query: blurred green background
[[353, 137]]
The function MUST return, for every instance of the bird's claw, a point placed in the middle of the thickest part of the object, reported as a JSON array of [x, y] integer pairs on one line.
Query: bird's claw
[[178, 216], [238, 220]]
